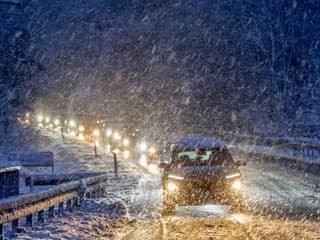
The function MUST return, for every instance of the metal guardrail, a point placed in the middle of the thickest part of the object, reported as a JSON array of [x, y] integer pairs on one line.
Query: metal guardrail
[[268, 141], [14, 208]]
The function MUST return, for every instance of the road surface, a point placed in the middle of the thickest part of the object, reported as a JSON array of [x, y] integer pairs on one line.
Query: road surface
[[281, 203]]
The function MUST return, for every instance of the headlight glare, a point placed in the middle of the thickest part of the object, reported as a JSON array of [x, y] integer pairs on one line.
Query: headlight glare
[[172, 187], [236, 185]]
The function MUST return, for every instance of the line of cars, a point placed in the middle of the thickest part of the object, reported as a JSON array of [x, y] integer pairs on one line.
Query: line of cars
[[194, 170], [105, 136]]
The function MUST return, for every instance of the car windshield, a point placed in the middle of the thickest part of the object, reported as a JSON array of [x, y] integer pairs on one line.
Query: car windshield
[[203, 157]]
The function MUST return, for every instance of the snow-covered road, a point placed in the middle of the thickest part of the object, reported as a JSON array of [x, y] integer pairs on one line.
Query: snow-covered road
[[271, 192]]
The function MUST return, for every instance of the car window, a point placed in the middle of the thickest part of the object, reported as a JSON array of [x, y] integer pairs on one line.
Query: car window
[[203, 157]]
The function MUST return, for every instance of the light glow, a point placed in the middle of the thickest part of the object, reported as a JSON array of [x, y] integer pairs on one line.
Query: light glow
[[81, 128], [96, 133], [81, 137], [152, 150], [143, 160], [109, 132], [126, 154], [143, 146], [126, 142], [56, 122], [236, 185], [172, 187], [116, 136], [72, 133], [241, 218], [72, 123], [175, 177], [154, 169], [233, 175], [40, 118], [108, 148], [47, 119]]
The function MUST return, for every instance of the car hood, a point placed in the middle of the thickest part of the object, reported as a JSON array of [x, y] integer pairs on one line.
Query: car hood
[[201, 172]]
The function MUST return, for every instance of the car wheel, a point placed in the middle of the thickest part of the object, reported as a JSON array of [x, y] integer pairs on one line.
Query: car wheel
[[168, 206], [238, 206]]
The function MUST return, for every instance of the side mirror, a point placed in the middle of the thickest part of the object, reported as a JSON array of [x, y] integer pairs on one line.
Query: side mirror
[[241, 163], [163, 165]]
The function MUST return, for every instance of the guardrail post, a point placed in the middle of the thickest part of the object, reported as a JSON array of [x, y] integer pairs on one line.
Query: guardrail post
[[115, 162], [62, 135], [88, 195], [81, 193], [69, 205], [95, 149], [15, 225], [41, 216], [51, 212], [1, 232], [29, 221], [76, 202], [60, 209]]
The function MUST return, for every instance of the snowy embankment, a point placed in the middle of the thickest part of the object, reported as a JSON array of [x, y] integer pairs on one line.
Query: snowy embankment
[[270, 141], [301, 153], [97, 218]]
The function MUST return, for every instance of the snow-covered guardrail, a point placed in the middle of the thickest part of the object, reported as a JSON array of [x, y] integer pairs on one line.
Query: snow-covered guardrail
[[14, 208], [33, 159], [301, 142]]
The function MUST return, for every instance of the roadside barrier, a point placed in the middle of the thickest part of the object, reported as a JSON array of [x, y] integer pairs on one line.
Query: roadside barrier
[[56, 199]]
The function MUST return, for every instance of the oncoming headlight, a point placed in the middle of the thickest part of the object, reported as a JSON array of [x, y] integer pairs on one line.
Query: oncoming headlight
[[40, 118], [126, 142], [175, 177], [72, 123], [152, 150], [126, 154], [143, 146]]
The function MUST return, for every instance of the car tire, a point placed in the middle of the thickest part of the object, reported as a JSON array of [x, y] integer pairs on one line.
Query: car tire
[[168, 206], [238, 206]]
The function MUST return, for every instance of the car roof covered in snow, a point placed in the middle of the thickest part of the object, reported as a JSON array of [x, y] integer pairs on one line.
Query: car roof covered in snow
[[198, 142]]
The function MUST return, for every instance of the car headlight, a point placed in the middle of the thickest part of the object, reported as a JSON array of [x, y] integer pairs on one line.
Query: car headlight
[[47, 119], [96, 133], [108, 148], [172, 187], [40, 118], [81, 137], [152, 150], [126, 154], [175, 177], [109, 132], [143, 160], [143, 146], [72, 123], [56, 122], [116, 136], [233, 175], [236, 185], [126, 142]]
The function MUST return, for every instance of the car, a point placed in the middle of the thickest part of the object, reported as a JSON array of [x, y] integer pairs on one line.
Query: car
[[200, 170]]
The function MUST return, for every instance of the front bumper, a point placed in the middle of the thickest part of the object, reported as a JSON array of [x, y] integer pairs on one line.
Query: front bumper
[[188, 193]]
